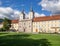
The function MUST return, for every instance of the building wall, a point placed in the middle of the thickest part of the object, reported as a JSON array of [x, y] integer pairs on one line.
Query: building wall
[[25, 26], [46, 26], [14, 26], [1, 25]]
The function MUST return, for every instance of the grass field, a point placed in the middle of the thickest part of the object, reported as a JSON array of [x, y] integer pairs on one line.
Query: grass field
[[21, 39]]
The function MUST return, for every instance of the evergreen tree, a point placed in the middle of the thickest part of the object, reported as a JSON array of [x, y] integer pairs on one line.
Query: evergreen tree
[[6, 24]]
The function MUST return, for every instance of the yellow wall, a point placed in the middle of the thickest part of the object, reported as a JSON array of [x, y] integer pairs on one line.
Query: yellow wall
[[1, 25], [45, 26], [14, 26]]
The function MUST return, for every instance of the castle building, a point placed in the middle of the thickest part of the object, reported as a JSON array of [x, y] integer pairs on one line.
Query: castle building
[[46, 24]]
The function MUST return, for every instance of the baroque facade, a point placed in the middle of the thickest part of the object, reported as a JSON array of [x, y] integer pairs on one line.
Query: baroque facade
[[26, 24], [46, 24]]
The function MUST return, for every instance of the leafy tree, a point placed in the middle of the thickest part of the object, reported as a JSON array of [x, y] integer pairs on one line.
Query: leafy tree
[[6, 24]]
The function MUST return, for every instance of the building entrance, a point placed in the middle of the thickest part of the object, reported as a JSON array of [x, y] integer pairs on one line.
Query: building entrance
[[36, 30], [24, 30]]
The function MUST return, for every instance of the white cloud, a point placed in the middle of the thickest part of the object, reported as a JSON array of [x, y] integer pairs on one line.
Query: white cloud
[[14, 14], [2, 16], [51, 5], [39, 15], [7, 10], [9, 13]]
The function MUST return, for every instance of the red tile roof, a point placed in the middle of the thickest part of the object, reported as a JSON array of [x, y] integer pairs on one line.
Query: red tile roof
[[46, 18], [14, 21]]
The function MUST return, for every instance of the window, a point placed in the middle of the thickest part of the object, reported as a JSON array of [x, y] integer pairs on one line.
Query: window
[[24, 23], [29, 26], [34, 25], [19, 26]]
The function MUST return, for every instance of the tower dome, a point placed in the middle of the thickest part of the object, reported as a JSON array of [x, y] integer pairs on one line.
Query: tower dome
[[22, 15], [31, 13]]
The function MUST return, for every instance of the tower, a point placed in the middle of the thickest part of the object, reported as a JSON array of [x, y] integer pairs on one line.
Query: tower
[[22, 15], [21, 23], [31, 13]]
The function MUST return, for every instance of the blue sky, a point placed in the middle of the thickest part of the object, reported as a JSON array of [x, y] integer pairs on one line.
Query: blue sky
[[12, 8], [26, 4]]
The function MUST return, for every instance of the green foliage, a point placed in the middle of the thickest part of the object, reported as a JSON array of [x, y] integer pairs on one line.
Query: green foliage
[[1, 29], [6, 24]]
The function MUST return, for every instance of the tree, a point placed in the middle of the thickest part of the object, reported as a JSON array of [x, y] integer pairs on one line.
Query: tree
[[6, 24]]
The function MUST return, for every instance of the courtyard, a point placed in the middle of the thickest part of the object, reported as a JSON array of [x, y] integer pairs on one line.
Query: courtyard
[[23, 39]]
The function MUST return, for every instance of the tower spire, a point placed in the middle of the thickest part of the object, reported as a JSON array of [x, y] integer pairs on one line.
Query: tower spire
[[31, 13], [31, 9], [22, 10]]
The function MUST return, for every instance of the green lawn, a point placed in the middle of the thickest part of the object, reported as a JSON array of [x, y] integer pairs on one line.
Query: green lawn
[[21, 39]]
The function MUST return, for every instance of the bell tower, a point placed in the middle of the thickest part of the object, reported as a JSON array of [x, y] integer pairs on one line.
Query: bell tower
[[31, 13], [22, 15]]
